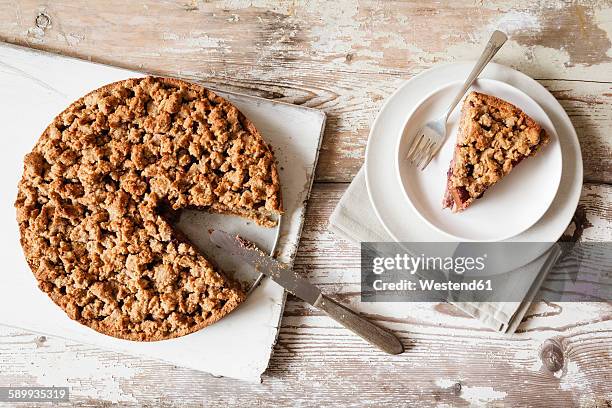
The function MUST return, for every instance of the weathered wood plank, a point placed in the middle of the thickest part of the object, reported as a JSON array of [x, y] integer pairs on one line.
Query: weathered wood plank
[[390, 37], [589, 106], [345, 59], [316, 360], [309, 368]]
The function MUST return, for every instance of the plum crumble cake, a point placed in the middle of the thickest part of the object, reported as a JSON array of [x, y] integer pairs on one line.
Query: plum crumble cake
[[100, 185], [494, 136]]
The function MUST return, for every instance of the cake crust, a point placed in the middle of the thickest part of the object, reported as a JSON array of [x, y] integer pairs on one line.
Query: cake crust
[[93, 201], [494, 136]]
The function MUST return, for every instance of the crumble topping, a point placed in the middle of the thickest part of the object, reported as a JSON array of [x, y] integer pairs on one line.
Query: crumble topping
[[98, 190], [494, 136]]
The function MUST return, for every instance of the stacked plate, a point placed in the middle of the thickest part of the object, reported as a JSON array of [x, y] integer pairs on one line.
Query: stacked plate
[[535, 203]]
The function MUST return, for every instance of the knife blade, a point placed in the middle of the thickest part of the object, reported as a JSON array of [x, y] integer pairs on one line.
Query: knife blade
[[279, 272], [283, 275]]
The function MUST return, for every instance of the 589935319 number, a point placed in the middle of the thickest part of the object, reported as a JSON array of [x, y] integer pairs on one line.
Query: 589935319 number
[[34, 394]]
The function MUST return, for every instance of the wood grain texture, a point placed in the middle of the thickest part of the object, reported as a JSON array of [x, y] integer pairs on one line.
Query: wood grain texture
[[346, 59], [450, 358]]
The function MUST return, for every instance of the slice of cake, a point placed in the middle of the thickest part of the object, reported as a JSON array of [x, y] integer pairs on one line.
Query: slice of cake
[[494, 136]]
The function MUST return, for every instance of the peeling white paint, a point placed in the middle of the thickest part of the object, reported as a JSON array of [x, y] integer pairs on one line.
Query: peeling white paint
[[170, 36], [478, 396], [339, 28], [283, 7], [445, 383], [603, 19], [475, 396], [524, 356], [393, 40], [197, 39], [572, 378], [204, 41], [423, 56], [35, 35], [73, 39], [536, 60], [513, 21], [68, 367], [600, 226]]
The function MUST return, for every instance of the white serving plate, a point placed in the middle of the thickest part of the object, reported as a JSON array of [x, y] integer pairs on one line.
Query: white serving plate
[[513, 205], [36, 86]]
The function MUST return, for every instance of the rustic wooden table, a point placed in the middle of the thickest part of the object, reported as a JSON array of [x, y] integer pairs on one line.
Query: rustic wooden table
[[345, 58]]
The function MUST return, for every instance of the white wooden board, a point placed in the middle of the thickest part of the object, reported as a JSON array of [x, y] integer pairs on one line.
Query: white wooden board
[[36, 86]]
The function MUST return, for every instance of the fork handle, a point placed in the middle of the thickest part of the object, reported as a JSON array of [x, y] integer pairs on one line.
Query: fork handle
[[495, 43]]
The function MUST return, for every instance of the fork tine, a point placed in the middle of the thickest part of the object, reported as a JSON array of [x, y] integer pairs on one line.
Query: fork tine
[[432, 154], [422, 149], [414, 144], [428, 156], [419, 149], [424, 152]]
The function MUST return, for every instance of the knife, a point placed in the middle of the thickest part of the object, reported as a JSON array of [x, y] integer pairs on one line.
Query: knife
[[284, 275]]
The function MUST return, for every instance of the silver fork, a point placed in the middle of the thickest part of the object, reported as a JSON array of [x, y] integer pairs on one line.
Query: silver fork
[[426, 143]]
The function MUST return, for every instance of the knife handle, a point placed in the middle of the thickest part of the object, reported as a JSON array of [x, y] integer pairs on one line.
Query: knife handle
[[381, 338]]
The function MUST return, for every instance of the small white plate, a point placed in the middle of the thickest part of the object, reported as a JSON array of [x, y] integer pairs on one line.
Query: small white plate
[[509, 207]]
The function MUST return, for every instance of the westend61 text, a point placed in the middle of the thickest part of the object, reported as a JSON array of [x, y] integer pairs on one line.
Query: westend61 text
[[430, 285]]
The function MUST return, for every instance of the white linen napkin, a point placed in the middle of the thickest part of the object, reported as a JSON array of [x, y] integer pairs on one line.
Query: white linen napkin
[[355, 221]]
